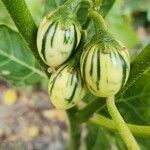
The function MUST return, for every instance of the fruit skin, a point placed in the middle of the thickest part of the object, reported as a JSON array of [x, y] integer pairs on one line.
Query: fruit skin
[[66, 87], [105, 67], [57, 39]]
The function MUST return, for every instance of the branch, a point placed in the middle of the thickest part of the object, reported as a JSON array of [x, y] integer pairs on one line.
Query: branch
[[75, 130], [137, 130], [23, 20]]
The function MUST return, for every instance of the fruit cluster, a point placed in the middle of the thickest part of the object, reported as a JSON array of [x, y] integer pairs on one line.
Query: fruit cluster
[[102, 66]]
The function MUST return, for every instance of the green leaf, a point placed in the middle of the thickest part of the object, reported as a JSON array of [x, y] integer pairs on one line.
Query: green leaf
[[137, 101], [17, 64], [121, 26], [125, 33], [36, 8], [5, 17], [106, 6], [139, 66], [148, 15], [51, 5], [96, 138], [99, 138], [144, 143]]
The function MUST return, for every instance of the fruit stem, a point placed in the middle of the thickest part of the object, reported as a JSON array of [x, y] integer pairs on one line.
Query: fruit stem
[[99, 22], [121, 125], [72, 6]]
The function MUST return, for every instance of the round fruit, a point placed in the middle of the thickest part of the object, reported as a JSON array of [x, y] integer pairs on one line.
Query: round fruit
[[57, 40], [66, 87], [105, 68]]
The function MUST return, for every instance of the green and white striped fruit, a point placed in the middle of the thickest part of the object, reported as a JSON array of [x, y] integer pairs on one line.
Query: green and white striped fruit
[[66, 87], [105, 68], [57, 39]]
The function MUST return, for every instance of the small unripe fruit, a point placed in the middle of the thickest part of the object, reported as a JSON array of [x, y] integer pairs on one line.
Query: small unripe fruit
[[57, 40], [66, 87], [105, 68]]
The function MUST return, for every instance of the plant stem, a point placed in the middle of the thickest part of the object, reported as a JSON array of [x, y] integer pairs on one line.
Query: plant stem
[[23, 20], [137, 130], [100, 25], [121, 125], [75, 130]]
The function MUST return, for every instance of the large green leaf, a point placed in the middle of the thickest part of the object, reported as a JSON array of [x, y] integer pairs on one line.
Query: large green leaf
[[17, 64]]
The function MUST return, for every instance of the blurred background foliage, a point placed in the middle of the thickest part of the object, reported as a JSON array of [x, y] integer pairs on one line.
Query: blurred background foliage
[[128, 21]]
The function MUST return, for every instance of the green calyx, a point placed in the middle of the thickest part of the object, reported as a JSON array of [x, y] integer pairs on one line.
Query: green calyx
[[70, 9], [67, 13], [56, 17]]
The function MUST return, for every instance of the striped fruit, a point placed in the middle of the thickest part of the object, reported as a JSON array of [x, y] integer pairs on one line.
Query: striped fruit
[[105, 69], [57, 40], [66, 87]]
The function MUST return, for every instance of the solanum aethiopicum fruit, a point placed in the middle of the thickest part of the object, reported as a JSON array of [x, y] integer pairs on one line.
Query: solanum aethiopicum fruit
[[105, 69], [105, 63], [66, 87], [57, 40]]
